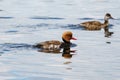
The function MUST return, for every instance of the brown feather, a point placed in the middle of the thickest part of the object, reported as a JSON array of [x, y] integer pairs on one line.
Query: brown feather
[[92, 25], [49, 44]]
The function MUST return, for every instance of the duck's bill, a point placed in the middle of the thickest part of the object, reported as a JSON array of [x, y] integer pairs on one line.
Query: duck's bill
[[73, 38], [111, 18]]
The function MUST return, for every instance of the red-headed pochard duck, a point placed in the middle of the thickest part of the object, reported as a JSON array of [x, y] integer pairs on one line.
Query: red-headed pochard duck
[[55, 45]]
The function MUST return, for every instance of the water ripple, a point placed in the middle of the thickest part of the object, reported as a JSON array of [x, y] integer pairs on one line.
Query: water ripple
[[15, 45], [6, 47], [47, 18], [41, 78], [6, 17], [53, 26], [72, 26], [86, 18], [11, 31], [1, 10], [111, 25]]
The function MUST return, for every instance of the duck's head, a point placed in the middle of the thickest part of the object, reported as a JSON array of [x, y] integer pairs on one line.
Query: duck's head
[[67, 36], [108, 16]]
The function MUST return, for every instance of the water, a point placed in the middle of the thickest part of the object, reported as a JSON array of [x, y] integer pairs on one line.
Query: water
[[24, 23]]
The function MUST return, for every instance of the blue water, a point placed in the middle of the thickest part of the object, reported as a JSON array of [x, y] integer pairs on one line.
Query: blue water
[[24, 23]]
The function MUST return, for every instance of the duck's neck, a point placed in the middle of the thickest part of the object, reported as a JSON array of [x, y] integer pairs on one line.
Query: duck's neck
[[67, 42], [106, 21], [106, 30], [105, 24]]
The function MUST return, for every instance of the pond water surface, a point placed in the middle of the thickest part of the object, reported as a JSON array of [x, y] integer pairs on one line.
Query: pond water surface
[[23, 23]]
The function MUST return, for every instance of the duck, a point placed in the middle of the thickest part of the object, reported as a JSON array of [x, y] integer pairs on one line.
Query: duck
[[54, 46], [96, 25]]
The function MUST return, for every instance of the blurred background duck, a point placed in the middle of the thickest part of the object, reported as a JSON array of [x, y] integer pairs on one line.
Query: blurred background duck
[[54, 46], [96, 25]]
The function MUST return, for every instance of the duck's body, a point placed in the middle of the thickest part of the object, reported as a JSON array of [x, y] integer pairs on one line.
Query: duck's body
[[49, 46], [56, 45], [92, 25], [53, 44], [96, 25]]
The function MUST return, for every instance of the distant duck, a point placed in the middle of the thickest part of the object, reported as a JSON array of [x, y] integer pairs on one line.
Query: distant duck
[[55, 45], [96, 25]]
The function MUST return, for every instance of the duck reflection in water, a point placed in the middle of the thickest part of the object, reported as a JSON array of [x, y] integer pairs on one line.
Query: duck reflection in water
[[67, 52], [107, 32]]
